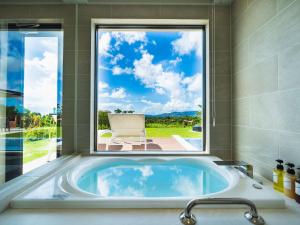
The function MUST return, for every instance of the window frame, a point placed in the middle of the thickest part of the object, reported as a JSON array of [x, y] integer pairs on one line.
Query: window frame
[[149, 24]]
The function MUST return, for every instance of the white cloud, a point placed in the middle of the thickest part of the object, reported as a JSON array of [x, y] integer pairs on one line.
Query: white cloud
[[118, 70], [129, 36], [103, 94], [198, 101], [117, 58], [181, 91], [194, 83], [40, 77], [110, 106], [152, 107], [188, 42], [154, 76], [104, 44], [118, 93], [128, 107], [102, 85], [174, 62], [102, 67]]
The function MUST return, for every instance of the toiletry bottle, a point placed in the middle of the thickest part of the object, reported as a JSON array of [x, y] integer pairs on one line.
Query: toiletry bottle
[[278, 174], [297, 187], [289, 181]]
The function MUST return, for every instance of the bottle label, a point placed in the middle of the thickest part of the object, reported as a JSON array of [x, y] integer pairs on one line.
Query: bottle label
[[287, 183], [275, 177], [297, 188]]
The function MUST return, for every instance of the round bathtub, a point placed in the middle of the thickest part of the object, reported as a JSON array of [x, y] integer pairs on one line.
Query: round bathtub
[[149, 178]]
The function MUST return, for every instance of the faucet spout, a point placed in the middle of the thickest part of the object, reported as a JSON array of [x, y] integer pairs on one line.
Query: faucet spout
[[187, 218]]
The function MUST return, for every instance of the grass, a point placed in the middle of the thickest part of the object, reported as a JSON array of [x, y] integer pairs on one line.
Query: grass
[[36, 149], [185, 132]]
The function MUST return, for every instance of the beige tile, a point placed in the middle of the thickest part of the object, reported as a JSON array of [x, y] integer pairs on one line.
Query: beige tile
[[220, 136], [69, 38], [83, 113], [223, 88], [282, 4], [68, 139], [260, 12], [14, 11], [256, 144], [64, 12], [238, 8], [86, 12], [68, 112], [84, 87], [265, 111], [185, 12], [240, 57], [222, 63], [289, 110], [135, 11], [222, 15], [289, 68], [222, 38], [68, 86], [69, 62], [261, 78], [241, 112], [84, 63], [84, 38], [289, 147], [221, 153], [223, 112]]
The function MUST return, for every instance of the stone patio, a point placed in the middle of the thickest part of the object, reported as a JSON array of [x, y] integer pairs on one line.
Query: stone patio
[[153, 144]]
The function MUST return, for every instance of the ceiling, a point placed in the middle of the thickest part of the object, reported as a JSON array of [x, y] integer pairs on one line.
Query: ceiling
[[166, 2]]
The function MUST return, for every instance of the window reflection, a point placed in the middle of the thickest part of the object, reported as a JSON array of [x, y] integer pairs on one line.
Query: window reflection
[[30, 97]]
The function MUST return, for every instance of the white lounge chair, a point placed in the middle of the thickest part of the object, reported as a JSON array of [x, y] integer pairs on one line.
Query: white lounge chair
[[127, 125]]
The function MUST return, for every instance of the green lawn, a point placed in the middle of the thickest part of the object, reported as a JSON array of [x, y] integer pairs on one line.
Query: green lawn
[[185, 132], [36, 149]]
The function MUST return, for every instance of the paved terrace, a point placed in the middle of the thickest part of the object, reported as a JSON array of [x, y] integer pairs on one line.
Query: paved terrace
[[157, 144]]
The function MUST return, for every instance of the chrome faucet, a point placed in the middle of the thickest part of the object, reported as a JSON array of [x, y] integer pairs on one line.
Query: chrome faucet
[[242, 166], [187, 218]]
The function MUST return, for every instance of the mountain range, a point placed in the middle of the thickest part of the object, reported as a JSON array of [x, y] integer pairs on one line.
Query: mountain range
[[175, 114]]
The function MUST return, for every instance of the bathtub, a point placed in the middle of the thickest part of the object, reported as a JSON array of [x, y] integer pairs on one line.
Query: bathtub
[[74, 186]]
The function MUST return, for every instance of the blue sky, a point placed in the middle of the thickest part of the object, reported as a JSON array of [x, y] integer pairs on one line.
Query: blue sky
[[33, 68], [150, 72]]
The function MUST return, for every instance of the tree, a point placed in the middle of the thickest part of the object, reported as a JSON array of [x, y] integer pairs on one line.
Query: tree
[[118, 110], [103, 122]]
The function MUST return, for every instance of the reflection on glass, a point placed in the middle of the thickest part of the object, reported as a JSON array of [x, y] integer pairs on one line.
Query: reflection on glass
[[152, 179], [30, 97]]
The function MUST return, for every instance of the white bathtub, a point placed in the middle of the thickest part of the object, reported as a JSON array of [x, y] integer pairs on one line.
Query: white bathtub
[[61, 189]]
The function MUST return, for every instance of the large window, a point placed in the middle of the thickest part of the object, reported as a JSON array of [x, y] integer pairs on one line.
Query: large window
[[150, 83], [30, 96]]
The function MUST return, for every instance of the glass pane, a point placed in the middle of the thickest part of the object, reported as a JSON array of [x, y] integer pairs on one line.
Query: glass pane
[[150, 90], [30, 100]]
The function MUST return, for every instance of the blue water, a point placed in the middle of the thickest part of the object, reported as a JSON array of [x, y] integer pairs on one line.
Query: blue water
[[152, 178]]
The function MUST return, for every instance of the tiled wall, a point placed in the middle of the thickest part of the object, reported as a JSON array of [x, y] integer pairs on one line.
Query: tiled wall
[[76, 114], [266, 82]]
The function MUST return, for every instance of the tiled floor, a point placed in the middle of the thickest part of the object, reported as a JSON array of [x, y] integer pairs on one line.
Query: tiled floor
[[157, 144]]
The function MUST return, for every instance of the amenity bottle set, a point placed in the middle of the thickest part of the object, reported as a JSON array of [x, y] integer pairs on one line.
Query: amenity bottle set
[[286, 181]]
